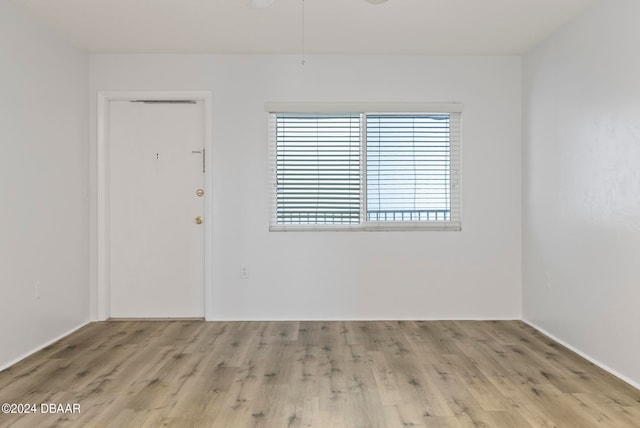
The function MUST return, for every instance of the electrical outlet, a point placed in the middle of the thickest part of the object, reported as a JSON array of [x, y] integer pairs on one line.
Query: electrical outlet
[[244, 272], [548, 275]]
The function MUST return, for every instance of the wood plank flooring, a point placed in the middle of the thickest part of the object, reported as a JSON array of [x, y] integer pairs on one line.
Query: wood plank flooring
[[315, 374]]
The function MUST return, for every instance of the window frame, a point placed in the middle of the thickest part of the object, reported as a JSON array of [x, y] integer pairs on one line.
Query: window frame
[[454, 110]]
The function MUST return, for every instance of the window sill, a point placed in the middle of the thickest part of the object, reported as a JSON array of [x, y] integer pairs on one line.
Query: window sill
[[371, 227]]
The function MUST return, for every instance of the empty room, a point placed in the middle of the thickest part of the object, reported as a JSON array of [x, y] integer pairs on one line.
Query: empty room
[[392, 213]]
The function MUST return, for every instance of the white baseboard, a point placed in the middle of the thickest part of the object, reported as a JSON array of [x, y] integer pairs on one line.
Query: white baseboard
[[38, 348], [583, 355], [277, 319]]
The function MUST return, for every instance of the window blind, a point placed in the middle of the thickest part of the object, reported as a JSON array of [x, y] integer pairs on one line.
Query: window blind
[[408, 167], [317, 168], [380, 168]]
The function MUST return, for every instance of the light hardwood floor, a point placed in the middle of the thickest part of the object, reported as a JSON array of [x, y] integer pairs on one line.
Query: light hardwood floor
[[316, 374]]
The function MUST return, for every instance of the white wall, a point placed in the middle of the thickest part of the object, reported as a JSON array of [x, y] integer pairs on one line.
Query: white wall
[[351, 275], [44, 235], [581, 186]]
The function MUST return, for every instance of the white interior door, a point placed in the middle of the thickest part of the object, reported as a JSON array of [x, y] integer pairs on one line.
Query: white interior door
[[156, 248]]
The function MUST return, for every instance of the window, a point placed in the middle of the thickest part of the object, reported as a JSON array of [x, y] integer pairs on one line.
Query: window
[[336, 168]]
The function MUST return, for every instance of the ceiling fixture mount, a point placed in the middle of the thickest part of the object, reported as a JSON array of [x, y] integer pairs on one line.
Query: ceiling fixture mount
[[261, 4]]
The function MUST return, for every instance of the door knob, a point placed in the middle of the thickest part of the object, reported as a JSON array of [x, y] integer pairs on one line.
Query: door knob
[[199, 220], [199, 192]]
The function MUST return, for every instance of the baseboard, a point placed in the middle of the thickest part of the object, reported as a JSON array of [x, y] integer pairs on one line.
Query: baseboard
[[264, 319], [583, 355], [134, 319], [278, 319], [44, 345]]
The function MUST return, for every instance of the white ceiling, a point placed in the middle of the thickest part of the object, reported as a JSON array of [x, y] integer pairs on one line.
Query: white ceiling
[[436, 27]]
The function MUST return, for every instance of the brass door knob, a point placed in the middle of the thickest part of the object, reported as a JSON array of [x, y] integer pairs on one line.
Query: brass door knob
[[199, 220], [200, 192]]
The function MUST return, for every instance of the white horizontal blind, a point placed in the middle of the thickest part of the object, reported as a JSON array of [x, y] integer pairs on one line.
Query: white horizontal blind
[[408, 167], [341, 167], [317, 169]]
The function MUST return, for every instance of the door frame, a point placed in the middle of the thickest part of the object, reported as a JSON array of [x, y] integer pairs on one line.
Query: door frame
[[100, 287]]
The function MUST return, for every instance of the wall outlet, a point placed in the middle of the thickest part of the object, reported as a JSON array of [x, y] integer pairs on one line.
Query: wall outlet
[[244, 272], [548, 276]]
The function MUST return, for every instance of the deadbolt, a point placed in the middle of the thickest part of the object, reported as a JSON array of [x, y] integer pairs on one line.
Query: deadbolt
[[200, 192], [199, 220]]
